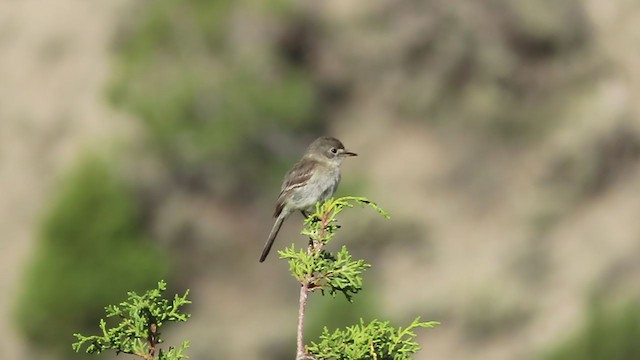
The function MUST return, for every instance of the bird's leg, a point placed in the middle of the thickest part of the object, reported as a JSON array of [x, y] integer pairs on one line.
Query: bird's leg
[[304, 213]]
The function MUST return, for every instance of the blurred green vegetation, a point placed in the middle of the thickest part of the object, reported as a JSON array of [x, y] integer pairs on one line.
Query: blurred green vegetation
[[91, 250], [213, 89], [610, 333]]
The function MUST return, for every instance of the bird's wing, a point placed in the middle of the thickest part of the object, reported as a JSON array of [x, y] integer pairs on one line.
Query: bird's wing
[[297, 177]]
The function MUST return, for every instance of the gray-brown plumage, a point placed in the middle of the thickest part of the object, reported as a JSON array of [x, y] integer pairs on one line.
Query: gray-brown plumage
[[314, 178]]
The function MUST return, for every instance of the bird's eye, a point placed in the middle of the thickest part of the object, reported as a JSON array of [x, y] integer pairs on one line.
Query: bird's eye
[[334, 150]]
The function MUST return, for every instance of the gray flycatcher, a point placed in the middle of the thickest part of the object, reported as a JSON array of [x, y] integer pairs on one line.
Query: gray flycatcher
[[312, 179]]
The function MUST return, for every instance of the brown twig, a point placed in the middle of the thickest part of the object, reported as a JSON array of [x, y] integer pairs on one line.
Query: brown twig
[[153, 329], [304, 293], [307, 286]]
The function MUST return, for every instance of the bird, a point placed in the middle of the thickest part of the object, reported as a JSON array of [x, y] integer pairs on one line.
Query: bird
[[314, 178]]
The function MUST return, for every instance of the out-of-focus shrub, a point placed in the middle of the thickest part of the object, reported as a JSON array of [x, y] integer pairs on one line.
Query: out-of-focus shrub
[[91, 249], [212, 89], [610, 333]]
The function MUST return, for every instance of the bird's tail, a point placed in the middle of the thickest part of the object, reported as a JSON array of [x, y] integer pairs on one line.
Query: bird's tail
[[272, 237]]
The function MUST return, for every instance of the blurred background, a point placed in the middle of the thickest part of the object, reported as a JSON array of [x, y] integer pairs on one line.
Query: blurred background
[[142, 140]]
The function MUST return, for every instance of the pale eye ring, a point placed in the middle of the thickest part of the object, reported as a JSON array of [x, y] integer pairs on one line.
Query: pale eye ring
[[334, 150]]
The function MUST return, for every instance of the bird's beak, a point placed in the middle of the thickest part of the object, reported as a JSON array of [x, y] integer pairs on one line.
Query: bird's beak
[[348, 153]]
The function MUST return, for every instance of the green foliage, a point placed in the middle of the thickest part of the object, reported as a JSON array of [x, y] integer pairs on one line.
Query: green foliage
[[326, 271], [138, 333], [205, 100], [375, 341], [318, 269], [611, 333], [91, 248], [322, 224]]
